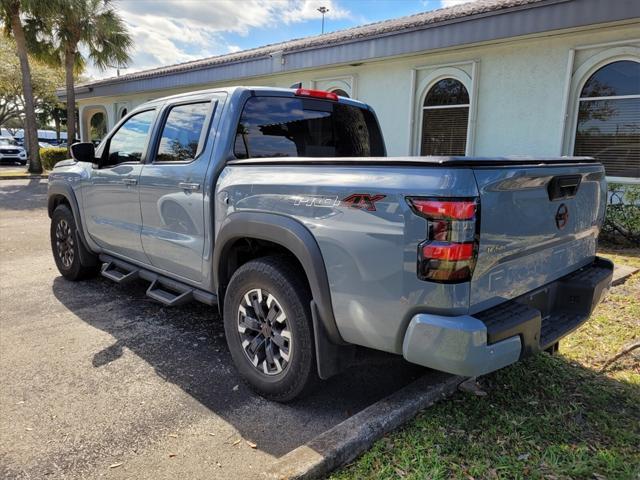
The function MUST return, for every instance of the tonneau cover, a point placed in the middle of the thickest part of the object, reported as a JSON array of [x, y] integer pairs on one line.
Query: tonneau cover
[[473, 162]]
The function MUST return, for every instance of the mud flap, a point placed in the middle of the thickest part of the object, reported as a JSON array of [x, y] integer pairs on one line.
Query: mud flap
[[87, 258], [331, 358]]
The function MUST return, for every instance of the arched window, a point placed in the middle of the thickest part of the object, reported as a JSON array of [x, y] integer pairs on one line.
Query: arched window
[[340, 92], [608, 126], [445, 117], [97, 126]]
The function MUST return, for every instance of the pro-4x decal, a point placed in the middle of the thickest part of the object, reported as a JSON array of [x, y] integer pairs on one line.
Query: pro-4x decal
[[363, 201]]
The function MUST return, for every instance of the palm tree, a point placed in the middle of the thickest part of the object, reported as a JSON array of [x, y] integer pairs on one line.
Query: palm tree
[[93, 25], [243, 131], [11, 12]]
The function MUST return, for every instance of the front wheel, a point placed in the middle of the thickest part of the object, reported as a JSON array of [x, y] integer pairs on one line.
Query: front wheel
[[66, 248], [267, 323]]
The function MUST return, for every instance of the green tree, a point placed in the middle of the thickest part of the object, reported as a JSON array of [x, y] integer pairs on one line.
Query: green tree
[[91, 25], [11, 12], [97, 127], [53, 112], [13, 125], [44, 80], [10, 82]]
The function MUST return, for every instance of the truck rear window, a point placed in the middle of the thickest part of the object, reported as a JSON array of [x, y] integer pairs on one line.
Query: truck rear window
[[302, 127]]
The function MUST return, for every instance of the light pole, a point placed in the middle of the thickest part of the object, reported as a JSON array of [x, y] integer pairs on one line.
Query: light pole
[[323, 10], [117, 69]]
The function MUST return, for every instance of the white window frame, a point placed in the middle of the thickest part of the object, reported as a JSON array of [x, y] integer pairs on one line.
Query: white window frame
[[579, 78], [344, 82], [121, 108], [441, 73]]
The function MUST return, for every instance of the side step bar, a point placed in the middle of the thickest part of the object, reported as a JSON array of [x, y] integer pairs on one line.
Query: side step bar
[[117, 273], [164, 290], [169, 296]]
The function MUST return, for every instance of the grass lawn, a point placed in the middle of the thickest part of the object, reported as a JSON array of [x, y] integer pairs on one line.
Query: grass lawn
[[544, 418]]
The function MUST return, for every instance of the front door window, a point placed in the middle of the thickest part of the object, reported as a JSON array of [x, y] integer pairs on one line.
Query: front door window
[[129, 142]]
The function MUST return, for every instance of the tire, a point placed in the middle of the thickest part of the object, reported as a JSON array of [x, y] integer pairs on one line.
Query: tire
[[278, 288], [72, 264]]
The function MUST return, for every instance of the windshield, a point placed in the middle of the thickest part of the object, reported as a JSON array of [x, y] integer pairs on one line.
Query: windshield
[[296, 127], [7, 141]]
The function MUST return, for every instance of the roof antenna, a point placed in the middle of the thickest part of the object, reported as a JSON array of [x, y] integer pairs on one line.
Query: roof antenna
[[297, 85]]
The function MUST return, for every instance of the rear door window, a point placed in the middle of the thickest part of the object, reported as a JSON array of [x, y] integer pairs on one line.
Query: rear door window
[[182, 132], [296, 127]]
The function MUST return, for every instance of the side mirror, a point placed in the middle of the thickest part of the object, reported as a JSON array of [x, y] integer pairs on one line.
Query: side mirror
[[83, 152]]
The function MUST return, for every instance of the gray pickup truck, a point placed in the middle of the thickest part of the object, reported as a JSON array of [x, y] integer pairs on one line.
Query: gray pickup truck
[[280, 207]]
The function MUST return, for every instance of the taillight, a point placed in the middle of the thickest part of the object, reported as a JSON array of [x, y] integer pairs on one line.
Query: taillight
[[305, 92], [448, 254], [445, 209]]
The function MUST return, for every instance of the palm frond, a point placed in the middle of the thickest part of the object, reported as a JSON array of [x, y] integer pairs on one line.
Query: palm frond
[[111, 41]]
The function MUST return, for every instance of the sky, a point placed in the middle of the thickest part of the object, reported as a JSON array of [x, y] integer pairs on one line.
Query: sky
[[166, 32]]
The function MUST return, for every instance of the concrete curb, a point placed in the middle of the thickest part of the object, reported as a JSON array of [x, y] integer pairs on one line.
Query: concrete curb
[[621, 273], [348, 439]]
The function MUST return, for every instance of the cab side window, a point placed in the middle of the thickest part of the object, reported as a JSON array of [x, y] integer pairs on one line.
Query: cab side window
[[181, 133], [128, 143]]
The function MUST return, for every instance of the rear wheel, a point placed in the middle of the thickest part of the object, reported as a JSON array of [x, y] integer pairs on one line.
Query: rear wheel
[[267, 322], [71, 263]]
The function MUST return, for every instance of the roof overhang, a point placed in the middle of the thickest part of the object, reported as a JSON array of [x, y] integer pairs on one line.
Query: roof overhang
[[502, 24]]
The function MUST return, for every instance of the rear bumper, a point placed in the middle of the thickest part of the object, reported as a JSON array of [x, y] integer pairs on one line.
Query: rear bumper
[[476, 344]]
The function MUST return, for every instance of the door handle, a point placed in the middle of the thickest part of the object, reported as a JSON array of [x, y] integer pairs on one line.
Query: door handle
[[192, 187], [130, 181]]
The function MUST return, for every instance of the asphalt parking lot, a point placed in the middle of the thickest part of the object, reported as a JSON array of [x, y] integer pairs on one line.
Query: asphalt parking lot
[[97, 380], [5, 167]]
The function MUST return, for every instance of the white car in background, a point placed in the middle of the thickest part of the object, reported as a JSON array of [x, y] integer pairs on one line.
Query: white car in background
[[11, 152]]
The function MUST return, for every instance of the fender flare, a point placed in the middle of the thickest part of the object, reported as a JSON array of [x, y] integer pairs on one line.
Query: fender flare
[[64, 190], [290, 234]]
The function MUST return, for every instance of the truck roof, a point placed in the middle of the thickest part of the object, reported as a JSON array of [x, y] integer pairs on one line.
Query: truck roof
[[257, 90]]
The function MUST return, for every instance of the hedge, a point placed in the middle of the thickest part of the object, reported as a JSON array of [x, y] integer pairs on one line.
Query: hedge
[[623, 214], [52, 155]]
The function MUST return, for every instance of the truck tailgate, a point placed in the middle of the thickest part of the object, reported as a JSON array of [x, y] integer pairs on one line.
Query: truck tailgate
[[537, 224]]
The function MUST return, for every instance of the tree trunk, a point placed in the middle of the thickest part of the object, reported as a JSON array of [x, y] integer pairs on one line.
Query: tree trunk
[[31, 128], [56, 120], [69, 62]]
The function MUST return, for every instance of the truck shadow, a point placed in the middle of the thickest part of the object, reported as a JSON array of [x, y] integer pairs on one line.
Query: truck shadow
[[15, 195], [186, 346]]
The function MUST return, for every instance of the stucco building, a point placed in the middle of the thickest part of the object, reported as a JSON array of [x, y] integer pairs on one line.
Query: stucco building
[[492, 77]]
